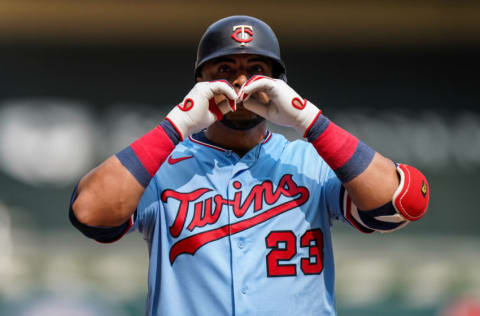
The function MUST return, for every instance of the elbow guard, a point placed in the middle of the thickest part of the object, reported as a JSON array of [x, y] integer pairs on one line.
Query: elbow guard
[[409, 203], [413, 194]]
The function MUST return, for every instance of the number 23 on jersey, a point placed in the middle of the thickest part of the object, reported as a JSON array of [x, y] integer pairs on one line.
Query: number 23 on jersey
[[284, 248]]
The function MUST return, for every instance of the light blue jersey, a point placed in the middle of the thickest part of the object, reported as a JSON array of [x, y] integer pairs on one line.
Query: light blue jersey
[[241, 236]]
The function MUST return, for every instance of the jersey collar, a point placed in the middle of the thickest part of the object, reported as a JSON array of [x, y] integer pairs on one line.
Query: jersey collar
[[200, 139]]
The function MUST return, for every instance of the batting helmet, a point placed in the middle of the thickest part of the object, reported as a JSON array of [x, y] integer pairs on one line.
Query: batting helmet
[[240, 34]]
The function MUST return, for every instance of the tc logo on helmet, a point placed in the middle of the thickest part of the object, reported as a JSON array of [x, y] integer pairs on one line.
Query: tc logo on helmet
[[242, 34]]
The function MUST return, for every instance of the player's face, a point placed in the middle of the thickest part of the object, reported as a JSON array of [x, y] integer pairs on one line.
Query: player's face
[[237, 69]]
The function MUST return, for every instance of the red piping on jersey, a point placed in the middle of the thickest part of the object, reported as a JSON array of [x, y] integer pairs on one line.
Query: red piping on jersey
[[267, 138], [269, 135], [205, 144]]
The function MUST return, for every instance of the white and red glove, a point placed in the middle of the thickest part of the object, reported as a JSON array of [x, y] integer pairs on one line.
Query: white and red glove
[[198, 110], [285, 107]]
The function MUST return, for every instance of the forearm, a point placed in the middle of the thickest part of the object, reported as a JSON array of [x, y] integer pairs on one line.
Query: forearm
[[109, 194], [375, 186], [372, 181], [369, 178]]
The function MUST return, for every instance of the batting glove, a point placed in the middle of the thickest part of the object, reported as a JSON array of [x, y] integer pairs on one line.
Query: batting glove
[[285, 107], [198, 110]]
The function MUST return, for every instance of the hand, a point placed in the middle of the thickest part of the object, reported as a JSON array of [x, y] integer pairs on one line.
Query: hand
[[202, 107], [285, 107]]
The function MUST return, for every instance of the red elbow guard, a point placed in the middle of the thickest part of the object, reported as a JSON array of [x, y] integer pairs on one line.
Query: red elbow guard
[[412, 196]]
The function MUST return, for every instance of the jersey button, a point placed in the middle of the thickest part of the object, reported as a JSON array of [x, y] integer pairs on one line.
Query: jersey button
[[244, 290], [241, 244]]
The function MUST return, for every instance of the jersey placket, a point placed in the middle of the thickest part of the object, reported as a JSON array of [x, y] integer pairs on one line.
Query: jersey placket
[[238, 243]]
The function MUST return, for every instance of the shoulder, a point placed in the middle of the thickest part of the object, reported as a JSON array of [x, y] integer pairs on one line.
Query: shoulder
[[280, 141], [297, 149], [299, 154]]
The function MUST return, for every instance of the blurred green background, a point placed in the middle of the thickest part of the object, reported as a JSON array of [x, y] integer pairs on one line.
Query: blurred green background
[[79, 80]]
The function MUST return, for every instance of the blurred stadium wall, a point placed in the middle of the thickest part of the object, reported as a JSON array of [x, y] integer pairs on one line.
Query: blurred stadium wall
[[81, 79]]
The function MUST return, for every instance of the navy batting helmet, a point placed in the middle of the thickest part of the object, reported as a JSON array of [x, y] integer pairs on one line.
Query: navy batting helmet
[[240, 34]]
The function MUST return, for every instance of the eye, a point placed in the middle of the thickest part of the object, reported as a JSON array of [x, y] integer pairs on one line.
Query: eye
[[224, 68], [257, 69]]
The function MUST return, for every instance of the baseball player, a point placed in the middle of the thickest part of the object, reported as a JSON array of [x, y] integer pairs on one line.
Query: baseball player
[[237, 219]]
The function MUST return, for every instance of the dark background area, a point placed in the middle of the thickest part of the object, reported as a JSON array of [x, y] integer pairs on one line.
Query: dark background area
[[410, 80], [412, 77]]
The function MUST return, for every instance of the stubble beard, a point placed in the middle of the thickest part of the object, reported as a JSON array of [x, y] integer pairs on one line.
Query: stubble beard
[[241, 121], [242, 125]]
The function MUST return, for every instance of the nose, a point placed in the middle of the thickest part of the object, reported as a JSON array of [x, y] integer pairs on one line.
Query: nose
[[238, 82]]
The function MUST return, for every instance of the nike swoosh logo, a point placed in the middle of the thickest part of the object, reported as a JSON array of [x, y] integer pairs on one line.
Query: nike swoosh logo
[[173, 161]]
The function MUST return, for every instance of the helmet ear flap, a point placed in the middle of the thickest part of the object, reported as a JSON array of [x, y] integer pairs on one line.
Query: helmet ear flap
[[239, 34]]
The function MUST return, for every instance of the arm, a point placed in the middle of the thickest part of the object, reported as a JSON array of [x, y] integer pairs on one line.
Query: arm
[[372, 181], [375, 185], [108, 195], [370, 178]]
